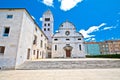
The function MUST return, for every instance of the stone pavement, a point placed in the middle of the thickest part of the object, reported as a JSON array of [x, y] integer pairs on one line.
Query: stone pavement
[[72, 74], [81, 63]]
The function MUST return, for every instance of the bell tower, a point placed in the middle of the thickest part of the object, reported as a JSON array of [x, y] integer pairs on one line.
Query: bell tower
[[48, 29], [47, 24]]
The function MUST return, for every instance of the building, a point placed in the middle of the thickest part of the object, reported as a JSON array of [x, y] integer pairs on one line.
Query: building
[[67, 43], [110, 47], [48, 28], [20, 38], [105, 47], [92, 48]]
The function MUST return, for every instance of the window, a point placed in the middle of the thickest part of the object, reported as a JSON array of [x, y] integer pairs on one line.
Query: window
[[80, 47], [48, 24], [106, 45], [33, 52], [48, 29], [37, 54], [41, 43], [44, 24], [36, 29], [44, 29], [55, 47], [47, 19], [28, 53], [103, 46], [45, 45], [37, 51], [9, 16], [41, 35], [67, 39], [67, 33], [35, 39], [79, 38], [6, 31], [40, 53], [2, 49], [67, 44], [55, 39]]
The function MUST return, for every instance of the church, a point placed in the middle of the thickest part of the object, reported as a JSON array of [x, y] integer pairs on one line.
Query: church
[[67, 42]]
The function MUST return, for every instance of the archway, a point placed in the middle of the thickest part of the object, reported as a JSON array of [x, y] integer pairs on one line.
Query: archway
[[68, 50]]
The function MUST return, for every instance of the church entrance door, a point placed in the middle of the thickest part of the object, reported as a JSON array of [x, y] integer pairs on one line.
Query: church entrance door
[[68, 53], [68, 50]]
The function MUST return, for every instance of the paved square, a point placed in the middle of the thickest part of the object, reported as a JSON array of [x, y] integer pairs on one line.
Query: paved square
[[70, 74]]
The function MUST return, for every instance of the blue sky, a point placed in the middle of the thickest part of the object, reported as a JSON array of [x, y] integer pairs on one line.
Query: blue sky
[[97, 20]]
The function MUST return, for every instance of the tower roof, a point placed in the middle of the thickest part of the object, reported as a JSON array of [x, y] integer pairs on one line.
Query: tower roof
[[47, 12]]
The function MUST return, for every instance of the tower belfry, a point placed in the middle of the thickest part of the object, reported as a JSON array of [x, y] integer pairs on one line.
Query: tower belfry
[[48, 29], [47, 24]]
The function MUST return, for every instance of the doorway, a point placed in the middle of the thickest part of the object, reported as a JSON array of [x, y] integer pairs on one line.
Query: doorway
[[37, 54], [49, 54], [28, 54], [68, 53], [68, 50]]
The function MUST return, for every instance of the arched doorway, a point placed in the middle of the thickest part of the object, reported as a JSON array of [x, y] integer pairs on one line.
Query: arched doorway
[[68, 50]]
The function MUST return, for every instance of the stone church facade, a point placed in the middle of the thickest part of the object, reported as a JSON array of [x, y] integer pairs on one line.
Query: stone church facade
[[67, 43]]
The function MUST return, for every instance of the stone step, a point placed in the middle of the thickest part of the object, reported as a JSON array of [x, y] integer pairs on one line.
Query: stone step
[[69, 64]]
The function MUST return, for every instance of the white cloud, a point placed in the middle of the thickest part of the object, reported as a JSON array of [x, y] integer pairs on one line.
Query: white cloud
[[48, 2], [86, 33], [41, 19], [108, 28], [68, 4], [93, 39], [90, 39]]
